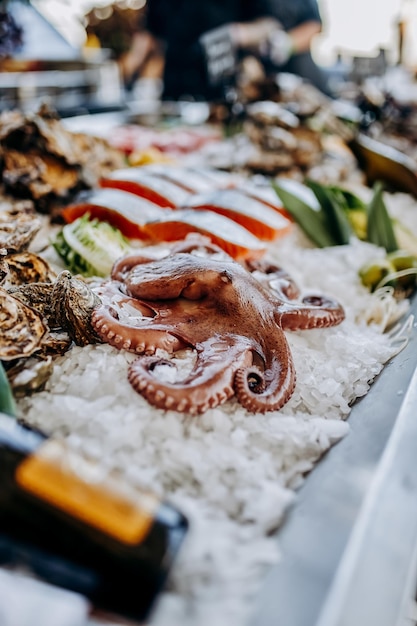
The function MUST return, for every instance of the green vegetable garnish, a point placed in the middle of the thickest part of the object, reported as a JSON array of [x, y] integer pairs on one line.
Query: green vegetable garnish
[[339, 213], [336, 218], [312, 221], [402, 260], [354, 208], [90, 247], [374, 272], [326, 224], [380, 230], [347, 199], [7, 403], [398, 269]]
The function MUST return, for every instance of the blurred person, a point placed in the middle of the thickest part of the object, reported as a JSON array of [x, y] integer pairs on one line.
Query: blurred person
[[290, 46], [119, 28], [278, 32]]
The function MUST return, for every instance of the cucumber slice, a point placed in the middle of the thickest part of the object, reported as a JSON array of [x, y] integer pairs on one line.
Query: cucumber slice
[[90, 247]]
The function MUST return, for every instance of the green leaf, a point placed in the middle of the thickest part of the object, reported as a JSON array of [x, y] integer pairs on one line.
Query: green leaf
[[7, 403], [313, 222], [380, 230], [347, 199], [336, 218]]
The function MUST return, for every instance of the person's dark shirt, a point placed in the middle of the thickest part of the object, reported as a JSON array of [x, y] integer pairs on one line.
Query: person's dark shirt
[[292, 13], [180, 23]]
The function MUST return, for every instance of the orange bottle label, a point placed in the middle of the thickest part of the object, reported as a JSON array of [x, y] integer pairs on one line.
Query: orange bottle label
[[88, 492]]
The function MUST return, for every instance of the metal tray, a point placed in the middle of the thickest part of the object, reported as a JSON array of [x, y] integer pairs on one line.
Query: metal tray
[[349, 545]]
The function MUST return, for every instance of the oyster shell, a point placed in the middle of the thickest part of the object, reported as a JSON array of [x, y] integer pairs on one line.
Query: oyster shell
[[29, 375], [66, 304], [27, 267], [38, 174], [18, 224], [21, 328], [36, 295], [44, 161], [72, 304], [40, 320]]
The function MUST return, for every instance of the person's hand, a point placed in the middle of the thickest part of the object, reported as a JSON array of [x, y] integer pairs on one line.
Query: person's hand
[[251, 35], [280, 47]]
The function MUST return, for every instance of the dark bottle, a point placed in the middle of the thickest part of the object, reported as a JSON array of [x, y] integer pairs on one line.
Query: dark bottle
[[79, 527]]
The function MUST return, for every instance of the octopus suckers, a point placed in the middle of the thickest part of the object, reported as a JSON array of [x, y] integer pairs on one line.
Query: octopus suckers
[[140, 384], [97, 321], [118, 339], [169, 402], [182, 405]]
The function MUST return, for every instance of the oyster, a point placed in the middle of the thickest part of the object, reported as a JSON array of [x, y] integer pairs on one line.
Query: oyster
[[66, 304], [268, 113], [72, 304], [26, 267], [44, 161], [35, 295], [29, 375], [4, 269], [18, 224], [21, 328], [37, 174], [40, 320]]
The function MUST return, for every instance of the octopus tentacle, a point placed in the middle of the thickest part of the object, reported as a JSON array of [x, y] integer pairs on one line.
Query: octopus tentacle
[[277, 280], [312, 312], [269, 390], [141, 339], [209, 384]]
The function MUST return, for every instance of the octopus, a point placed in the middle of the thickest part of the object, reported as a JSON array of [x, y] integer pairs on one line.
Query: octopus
[[233, 317]]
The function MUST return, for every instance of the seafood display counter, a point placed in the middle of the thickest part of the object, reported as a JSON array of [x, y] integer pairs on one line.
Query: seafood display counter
[[230, 464], [349, 545]]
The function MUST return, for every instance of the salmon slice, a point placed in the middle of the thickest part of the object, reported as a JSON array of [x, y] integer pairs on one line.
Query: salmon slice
[[217, 178], [256, 216], [265, 194], [142, 183], [238, 242], [187, 178], [125, 211]]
